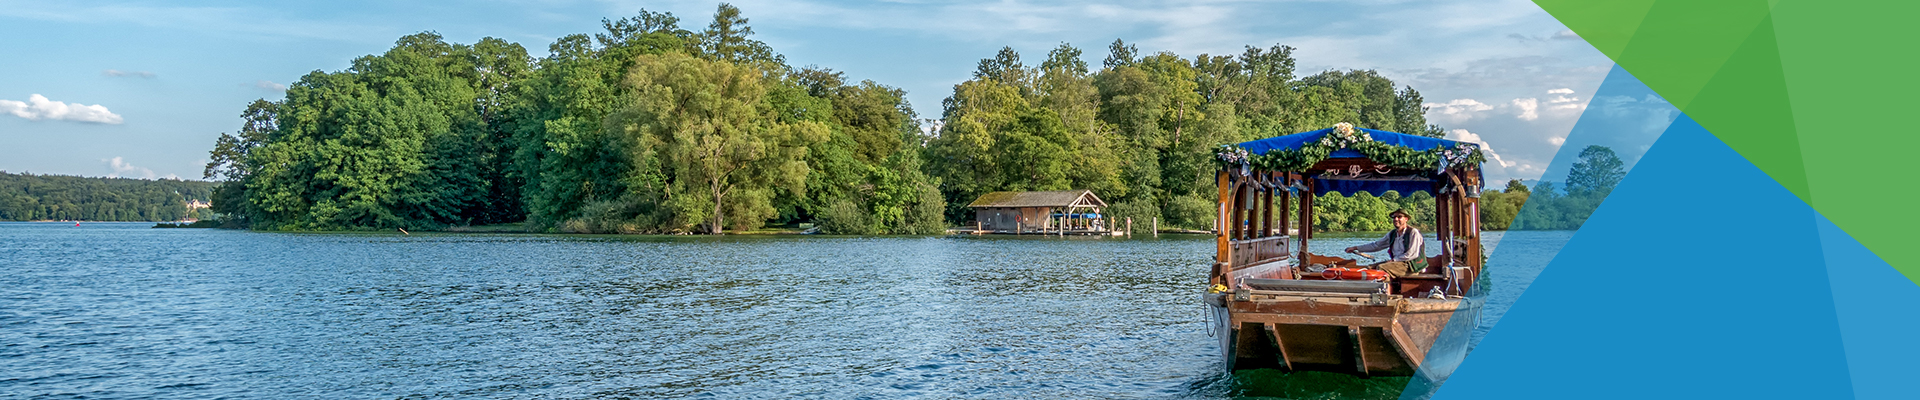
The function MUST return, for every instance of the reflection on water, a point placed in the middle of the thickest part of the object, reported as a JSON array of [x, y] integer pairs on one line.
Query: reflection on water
[[119, 310]]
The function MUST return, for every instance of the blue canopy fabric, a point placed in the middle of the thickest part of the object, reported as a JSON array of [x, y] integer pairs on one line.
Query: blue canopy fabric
[[1294, 141], [1350, 186]]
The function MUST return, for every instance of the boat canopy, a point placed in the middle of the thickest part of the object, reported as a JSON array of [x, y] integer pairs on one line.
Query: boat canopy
[[1373, 185]]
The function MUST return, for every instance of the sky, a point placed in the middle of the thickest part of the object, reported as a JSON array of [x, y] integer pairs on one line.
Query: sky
[[142, 89]]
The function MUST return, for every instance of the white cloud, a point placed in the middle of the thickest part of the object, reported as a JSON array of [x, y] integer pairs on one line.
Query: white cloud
[[130, 74], [121, 169], [269, 85], [37, 108], [1557, 140], [1566, 34], [1561, 91], [1463, 135], [1457, 110], [1529, 108]]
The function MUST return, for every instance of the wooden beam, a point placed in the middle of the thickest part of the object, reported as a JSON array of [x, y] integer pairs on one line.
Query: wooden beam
[[1220, 216], [1409, 349], [1359, 349], [1326, 320], [1306, 218], [1239, 226], [1263, 207], [1285, 198], [1273, 331]]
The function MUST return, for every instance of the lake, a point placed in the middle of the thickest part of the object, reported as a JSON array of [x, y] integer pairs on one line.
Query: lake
[[119, 310]]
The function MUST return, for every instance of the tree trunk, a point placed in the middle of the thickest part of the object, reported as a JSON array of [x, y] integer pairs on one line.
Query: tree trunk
[[1179, 122], [715, 228]]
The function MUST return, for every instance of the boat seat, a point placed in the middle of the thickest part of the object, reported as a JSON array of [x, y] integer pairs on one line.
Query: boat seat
[[1424, 276], [1300, 285]]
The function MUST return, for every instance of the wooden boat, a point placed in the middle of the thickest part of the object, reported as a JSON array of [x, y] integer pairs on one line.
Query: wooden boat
[[1272, 306]]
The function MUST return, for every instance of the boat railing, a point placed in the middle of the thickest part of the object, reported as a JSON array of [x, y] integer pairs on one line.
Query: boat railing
[[1251, 252], [1359, 287]]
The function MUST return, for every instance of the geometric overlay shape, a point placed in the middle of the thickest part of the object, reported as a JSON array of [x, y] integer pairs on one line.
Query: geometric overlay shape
[[1607, 25], [1624, 116], [1747, 99], [1814, 93], [1877, 317], [1699, 277], [1688, 64], [1848, 67]]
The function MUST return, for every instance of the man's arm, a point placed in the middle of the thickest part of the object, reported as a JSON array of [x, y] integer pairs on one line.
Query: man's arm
[[1377, 245]]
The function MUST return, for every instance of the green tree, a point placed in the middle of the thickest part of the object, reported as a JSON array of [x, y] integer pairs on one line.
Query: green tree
[[1516, 186], [710, 123], [726, 40], [1004, 68], [1120, 54], [1597, 172], [29, 197]]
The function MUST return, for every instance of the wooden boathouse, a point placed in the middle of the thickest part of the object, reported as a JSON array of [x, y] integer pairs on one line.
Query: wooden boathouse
[[1069, 212]]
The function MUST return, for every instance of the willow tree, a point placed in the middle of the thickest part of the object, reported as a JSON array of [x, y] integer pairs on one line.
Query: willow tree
[[717, 142]]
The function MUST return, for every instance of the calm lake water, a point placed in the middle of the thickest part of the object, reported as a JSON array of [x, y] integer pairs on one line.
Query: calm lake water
[[119, 310]]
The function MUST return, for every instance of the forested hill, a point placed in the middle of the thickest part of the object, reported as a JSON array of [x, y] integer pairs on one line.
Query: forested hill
[[28, 197], [647, 127]]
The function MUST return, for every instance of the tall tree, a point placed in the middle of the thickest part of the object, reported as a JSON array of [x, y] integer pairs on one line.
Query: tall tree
[[1120, 54], [232, 163], [709, 122], [1597, 172], [726, 39], [1004, 68], [1410, 114]]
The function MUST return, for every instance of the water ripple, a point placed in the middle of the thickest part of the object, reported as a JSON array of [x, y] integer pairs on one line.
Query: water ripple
[[122, 311]]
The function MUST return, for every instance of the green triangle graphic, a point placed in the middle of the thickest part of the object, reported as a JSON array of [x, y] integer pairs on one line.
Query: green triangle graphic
[[1605, 25], [1746, 106], [1824, 117], [1846, 66], [1689, 41]]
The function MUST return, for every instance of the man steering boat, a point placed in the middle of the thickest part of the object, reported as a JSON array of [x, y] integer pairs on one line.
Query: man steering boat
[[1403, 244]]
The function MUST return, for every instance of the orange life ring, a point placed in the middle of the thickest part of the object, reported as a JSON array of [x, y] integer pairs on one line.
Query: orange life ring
[[1354, 274]]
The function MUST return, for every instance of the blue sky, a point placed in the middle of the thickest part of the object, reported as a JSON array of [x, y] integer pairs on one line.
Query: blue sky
[[141, 89]]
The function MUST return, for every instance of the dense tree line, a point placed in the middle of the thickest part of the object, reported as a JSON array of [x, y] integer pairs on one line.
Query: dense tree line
[[648, 127], [29, 197], [1140, 129], [1545, 206]]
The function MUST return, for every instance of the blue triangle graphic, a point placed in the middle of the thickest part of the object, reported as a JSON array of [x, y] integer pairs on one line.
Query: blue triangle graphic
[[1697, 278], [1878, 321]]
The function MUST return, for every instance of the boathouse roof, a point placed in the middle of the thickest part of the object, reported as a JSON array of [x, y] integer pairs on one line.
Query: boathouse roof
[[1057, 198]]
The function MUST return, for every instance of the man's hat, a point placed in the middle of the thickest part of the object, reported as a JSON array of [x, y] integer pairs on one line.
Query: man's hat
[[1400, 212]]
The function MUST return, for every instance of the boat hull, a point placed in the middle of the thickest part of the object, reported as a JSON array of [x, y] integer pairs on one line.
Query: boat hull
[[1367, 335]]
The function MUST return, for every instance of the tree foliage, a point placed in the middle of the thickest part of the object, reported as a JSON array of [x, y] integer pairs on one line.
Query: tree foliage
[[1547, 207], [29, 197], [648, 127], [1140, 130], [645, 127]]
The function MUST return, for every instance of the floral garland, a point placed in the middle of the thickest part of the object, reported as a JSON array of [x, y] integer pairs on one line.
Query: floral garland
[[1344, 136]]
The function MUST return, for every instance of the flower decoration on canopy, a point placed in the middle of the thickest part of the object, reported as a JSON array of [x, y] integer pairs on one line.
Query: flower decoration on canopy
[[1228, 155], [1344, 136]]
